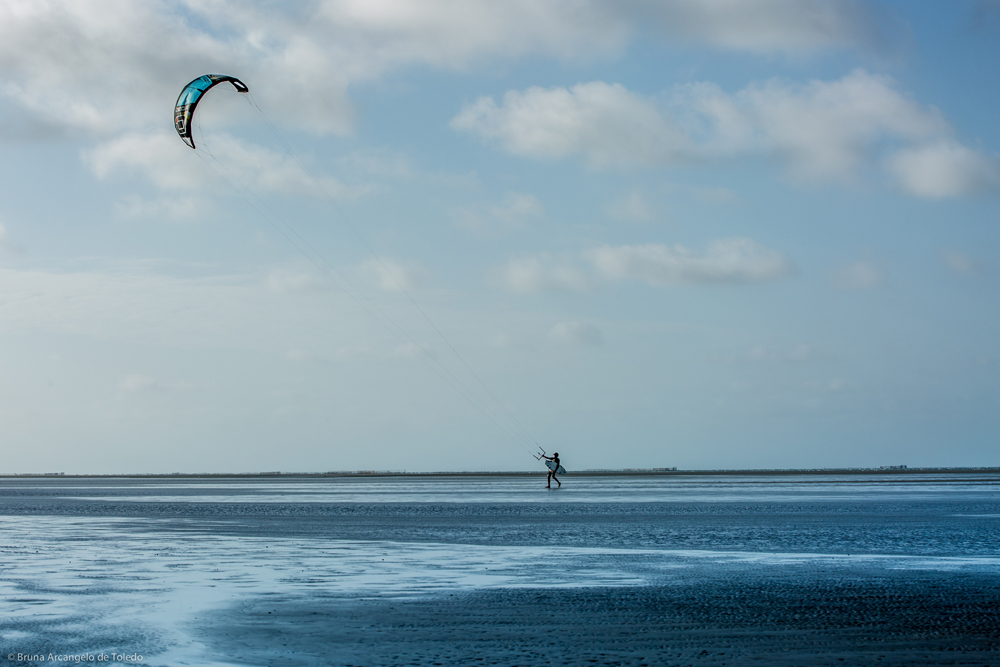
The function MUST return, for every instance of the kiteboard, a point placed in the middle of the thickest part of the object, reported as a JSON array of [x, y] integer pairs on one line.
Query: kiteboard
[[554, 467]]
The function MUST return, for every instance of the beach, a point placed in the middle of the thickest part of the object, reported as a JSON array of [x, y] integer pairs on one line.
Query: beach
[[423, 570]]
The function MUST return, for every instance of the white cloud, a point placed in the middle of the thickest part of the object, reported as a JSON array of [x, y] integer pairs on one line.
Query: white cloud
[[819, 131], [384, 273], [112, 65], [577, 333], [632, 206], [456, 33], [945, 169], [766, 25], [958, 262], [170, 165], [543, 273], [104, 66], [859, 275], [517, 211], [158, 157], [734, 260], [827, 129], [605, 123]]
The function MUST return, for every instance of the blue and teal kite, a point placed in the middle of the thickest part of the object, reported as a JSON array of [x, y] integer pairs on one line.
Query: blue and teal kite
[[192, 93]]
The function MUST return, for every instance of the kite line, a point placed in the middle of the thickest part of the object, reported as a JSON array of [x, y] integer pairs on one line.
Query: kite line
[[187, 102]]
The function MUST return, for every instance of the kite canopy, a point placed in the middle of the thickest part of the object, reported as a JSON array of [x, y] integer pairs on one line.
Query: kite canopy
[[192, 93]]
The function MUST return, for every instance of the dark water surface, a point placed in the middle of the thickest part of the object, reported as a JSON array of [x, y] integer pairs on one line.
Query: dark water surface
[[895, 569]]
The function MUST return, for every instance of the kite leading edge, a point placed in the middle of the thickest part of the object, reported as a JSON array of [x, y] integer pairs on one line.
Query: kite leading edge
[[192, 93]]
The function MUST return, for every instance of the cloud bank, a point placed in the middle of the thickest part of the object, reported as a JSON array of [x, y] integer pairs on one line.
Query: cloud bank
[[106, 65], [818, 131], [110, 70], [726, 261], [167, 163]]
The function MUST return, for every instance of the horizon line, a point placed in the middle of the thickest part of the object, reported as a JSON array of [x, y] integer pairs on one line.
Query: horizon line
[[593, 472]]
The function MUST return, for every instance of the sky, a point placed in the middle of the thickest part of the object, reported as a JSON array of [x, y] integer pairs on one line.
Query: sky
[[439, 234]]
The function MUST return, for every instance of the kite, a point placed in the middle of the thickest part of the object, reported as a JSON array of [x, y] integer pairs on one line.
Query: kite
[[192, 93]]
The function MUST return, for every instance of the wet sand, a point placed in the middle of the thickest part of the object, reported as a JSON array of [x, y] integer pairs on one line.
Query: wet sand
[[743, 620], [497, 571]]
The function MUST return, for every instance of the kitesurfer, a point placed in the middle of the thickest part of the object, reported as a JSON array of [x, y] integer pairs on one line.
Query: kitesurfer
[[553, 469]]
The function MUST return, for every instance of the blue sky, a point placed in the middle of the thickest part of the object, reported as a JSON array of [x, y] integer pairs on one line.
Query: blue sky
[[698, 233]]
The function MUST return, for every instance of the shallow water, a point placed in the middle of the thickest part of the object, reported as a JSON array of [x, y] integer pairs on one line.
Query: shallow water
[[161, 568], [514, 489]]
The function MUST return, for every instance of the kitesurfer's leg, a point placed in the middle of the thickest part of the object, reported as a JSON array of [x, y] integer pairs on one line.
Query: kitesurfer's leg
[[556, 478], [548, 480]]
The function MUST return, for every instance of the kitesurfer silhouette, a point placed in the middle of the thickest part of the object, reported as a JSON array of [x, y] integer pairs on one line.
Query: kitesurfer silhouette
[[552, 470]]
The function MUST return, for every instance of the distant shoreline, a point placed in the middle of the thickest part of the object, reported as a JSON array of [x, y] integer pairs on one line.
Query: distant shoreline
[[637, 472]]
